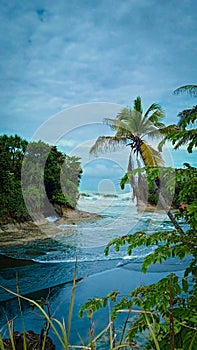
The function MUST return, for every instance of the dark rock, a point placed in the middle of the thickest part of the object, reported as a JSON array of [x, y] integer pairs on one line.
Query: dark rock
[[6, 261], [33, 340]]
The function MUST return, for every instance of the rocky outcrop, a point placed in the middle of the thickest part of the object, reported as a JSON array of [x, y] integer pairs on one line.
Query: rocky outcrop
[[74, 216], [33, 341], [20, 233]]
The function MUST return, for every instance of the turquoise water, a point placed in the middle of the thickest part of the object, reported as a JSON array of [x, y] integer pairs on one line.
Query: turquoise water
[[54, 259]]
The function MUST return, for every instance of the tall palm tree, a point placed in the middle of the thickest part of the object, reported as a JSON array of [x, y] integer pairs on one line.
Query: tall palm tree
[[132, 128]]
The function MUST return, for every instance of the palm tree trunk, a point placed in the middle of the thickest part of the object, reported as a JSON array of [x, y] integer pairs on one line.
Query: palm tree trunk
[[141, 188], [132, 178]]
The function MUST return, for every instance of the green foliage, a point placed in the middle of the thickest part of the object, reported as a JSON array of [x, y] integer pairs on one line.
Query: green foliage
[[172, 300], [163, 174], [188, 137], [70, 178], [191, 215], [186, 132], [160, 181], [38, 173], [169, 244], [186, 181], [186, 117], [178, 184], [189, 89], [93, 305], [61, 178], [60, 329], [133, 128], [12, 150], [167, 309]]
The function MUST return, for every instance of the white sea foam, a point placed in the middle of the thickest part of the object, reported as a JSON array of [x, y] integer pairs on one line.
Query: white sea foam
[[52, 218]]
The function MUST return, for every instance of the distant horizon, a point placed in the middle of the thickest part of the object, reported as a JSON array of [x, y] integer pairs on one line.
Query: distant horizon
[[90, 183], [103, 174]]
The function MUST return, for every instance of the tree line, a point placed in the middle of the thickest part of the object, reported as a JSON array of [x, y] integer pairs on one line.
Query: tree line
[[35, 175]]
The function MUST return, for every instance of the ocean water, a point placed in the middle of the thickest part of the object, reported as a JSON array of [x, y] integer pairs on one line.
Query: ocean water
[[54, 259], [86, 241]]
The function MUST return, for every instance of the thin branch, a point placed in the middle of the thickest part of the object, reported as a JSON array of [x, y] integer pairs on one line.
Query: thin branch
[[134, 311]]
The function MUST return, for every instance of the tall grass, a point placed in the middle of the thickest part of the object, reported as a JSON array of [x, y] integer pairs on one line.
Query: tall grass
[[63, 331], [59, 328]]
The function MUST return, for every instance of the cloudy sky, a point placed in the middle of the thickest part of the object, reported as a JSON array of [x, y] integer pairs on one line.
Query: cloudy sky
[[60, 54]]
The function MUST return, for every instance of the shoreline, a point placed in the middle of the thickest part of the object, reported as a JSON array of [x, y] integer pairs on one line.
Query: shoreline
[[13, 234]]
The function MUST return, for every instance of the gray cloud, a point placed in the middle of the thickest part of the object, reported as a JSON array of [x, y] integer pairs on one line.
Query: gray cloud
[[63, 53]]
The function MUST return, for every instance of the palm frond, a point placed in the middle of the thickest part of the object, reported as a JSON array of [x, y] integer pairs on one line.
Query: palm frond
[[190, 89], [163, 131], [117, 125], [137, 105], [111, 122], [187, 116], [183, 140], [155, 119], [150, 156], [130, 127], [107, 143], [168, 132], [128, 122], [158, 112], [151, 130], [124, 114], [188, 137], [133, 119], [181, 137], [161, 144]]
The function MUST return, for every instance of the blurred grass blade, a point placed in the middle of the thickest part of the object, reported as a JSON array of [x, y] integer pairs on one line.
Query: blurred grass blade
[[152, 332], [72, 300]]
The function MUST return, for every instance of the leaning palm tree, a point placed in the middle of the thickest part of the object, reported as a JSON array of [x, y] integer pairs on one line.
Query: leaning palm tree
[[132, 128]]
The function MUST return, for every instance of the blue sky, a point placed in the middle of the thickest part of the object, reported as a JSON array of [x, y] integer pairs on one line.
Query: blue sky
[[59, 54]]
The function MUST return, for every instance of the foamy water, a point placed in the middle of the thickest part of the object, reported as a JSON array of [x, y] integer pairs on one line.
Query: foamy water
[[56, 256]]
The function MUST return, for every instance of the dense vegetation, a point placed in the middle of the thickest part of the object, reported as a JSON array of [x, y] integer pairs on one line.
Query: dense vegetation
[[165, 312], [38, 173], [175, 187]]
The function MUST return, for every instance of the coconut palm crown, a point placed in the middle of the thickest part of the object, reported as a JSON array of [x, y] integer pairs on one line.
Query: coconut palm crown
[[132, 128]]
